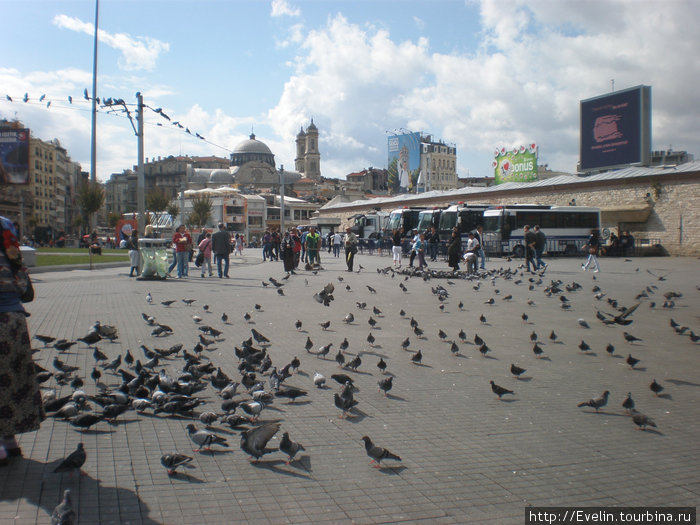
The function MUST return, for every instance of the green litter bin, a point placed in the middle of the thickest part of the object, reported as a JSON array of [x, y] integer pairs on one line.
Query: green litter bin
[[154, 258]]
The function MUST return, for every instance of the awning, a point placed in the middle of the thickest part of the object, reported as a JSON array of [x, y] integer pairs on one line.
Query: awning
[[625, 213]]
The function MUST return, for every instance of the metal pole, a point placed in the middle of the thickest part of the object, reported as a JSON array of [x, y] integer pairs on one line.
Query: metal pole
[[93, 148], [140, 176], [281, 198]]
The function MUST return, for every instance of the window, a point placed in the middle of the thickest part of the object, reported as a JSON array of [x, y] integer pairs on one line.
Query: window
[[255, 220]]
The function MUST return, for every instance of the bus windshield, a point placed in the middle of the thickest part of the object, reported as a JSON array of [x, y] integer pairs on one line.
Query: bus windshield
[[492, 224], [448, 220], [394, 221], [425, 221]]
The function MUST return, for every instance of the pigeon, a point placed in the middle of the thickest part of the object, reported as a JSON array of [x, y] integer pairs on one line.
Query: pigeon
[[324, 350], [583, 324], [381, 365], [630, 338], [340, 358], [385, 384], [309, 344], [208, 418], [290, 447], [291, 393], [73, 461], [533, 336], [298, 324], [484, 349], [204, 439], [344, 344], [46, 339], [417, 358], [478, 340], [149, 298], [482, 318], [370, 339], [628, 403], [517, 371], [280, 291], [583, 346], [325, 325], [344, 403], [224, 318], [656, 388], [253, 441], [632, 361], [63, 367], [406, 343], [63, 345], [442, 335], [377, 454], [173, 461], [349, 318], [643, 421], [319, 380], [610, 349], [372, 321], [63, 513], [167, 303], [188, 302], [500, 391], [597, 403], [524, 317], [552, 336], [354, 364], [371, 290]]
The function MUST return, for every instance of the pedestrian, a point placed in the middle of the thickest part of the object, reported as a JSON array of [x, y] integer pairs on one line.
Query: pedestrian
[[276, 240], [267, 245], [182, 241], [454, 251], [470, 256], [530, 241], [350, 248], [133, 246], [287, 247], [479, 236], [205, 250], [297, 246], [329, 241], [313, 240], [592, 246], [413, 254], [396, 240], [432, 238], [337, 241], [239, 242], [419, 249], [304, 254], [540, 245], [221, 247], [21, 410]]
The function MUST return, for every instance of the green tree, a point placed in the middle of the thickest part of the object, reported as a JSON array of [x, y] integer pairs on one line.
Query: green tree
[[113, 219], [201, 210], [91, 197], [173, 210], [157, 200]]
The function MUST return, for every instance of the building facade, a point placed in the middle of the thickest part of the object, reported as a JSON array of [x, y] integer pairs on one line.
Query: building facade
[[438, 166]]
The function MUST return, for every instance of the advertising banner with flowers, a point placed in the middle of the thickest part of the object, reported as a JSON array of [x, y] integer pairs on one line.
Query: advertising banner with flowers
[[518, 164]]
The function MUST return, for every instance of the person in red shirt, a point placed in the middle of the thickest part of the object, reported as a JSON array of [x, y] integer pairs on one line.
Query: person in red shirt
[[182, 241]]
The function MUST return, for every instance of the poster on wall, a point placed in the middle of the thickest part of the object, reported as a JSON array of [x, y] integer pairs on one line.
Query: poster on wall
[[404, 162], [14, 156], [518, 164]]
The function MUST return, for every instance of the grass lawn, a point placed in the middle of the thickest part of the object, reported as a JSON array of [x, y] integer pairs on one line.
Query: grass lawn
[[57, 260]]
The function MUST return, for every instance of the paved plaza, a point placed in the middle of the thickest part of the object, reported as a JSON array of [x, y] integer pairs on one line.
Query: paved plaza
[[466, 456]]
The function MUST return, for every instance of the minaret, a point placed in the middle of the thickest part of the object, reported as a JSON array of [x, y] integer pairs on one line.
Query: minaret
[[301, 149], [312, 156]]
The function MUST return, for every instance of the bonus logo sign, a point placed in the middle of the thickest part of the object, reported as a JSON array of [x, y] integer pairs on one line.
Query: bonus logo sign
[[517, 164]]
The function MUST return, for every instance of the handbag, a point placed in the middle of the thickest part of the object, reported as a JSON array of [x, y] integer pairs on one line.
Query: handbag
[[592, 250], [199, 260], [28, 295]]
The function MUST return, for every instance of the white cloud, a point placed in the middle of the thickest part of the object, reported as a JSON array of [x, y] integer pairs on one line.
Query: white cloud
[[137, 53], [420, 23], [283, 8], [536, 61]]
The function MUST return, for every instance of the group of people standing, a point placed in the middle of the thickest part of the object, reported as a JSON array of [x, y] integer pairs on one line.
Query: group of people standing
[[304, 247], [217, 245]]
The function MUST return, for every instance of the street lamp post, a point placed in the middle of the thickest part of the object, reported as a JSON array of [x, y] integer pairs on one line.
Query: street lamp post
[[281, 198]]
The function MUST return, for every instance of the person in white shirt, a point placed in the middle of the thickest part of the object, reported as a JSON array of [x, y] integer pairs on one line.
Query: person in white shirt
[[337, 242], [470, 255]]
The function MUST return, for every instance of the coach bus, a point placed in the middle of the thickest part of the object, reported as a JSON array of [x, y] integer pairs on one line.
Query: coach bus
[[427, 219], [566, 227], [466, 217]]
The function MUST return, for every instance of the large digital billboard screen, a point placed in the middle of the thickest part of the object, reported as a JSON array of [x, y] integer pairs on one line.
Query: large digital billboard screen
[[515, 165], [404, 161], [14, 156], [616, 129]]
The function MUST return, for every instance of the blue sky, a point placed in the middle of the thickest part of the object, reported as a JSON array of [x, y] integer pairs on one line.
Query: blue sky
[[477, 74]]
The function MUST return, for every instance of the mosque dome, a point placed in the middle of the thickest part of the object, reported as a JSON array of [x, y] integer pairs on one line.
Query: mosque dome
[[221, 176], [252, 150]]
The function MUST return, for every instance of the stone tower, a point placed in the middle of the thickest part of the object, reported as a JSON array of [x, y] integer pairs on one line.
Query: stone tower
[[308, 159]]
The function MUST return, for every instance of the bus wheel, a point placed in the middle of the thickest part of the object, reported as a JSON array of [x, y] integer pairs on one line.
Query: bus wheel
[[518, 251]]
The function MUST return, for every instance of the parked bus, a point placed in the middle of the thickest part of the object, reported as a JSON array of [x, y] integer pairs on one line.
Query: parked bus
[[466, 217], [406, 218], [566, 227], [369, 225]]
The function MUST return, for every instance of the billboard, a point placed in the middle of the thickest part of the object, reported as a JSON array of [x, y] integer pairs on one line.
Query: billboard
[[518, 164], [404, 161], [616, 129], [14, 156]]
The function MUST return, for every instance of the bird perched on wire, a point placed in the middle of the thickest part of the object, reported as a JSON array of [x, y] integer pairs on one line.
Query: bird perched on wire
[[377, 454], [597, 403]]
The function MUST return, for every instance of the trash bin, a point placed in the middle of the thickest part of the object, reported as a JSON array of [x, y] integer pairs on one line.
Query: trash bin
[[154, 258]]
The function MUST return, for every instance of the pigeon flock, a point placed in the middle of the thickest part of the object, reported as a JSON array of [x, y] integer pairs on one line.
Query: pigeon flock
[[177, 373]]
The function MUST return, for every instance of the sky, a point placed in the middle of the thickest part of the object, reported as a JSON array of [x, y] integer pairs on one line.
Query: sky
[[477, 74]]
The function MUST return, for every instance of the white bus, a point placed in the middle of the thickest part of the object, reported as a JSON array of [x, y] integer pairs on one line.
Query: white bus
[[465, 217], [567, 227]]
